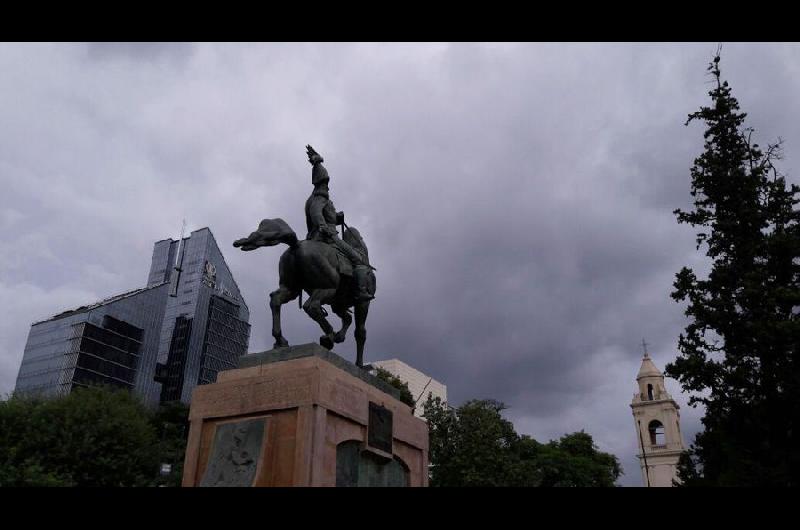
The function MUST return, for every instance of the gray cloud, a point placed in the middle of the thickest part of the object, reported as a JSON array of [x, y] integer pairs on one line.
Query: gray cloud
[[176, 52], [516, 198]]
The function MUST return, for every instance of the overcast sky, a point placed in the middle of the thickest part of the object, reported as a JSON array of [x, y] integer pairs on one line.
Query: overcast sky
[[516, 198]]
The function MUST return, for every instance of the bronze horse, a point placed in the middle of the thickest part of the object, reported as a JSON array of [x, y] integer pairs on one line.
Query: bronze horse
[[313, 267]]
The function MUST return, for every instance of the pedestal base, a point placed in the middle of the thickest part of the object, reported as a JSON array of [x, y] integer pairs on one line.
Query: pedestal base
[[302, 416]]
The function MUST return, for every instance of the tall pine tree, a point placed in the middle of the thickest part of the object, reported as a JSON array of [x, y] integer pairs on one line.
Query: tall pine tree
[[739, 351]]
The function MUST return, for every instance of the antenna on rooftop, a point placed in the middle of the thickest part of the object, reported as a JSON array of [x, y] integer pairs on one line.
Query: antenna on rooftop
[[176, 275], [180, 244], [423, 391]]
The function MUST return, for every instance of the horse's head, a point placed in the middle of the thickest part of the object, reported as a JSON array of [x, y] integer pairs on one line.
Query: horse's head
[[270, 232]]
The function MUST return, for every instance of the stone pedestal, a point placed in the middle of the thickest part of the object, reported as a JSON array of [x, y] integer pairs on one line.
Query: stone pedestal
[[303, 416]]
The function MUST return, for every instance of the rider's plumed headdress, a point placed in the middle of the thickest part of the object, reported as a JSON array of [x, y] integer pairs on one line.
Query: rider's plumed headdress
[[318, 173]]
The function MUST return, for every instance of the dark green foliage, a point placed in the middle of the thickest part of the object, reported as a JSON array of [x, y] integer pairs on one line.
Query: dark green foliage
[[92, 437], [171, 421], [575, 461], [739, 351], [475, 446], [690, 475], [405, 394], [471, 446]]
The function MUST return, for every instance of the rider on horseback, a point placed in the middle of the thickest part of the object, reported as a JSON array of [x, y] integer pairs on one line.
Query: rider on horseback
[[321, 220]]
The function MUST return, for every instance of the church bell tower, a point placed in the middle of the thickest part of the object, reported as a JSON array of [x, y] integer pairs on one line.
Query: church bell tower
[[658, 432]]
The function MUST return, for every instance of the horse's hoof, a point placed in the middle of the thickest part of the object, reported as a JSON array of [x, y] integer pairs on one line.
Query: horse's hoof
[[326, 342], [280, 343], [339, 338]]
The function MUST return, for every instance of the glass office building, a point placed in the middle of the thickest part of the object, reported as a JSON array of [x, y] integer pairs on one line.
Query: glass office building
[[111, 342], [189, 323], [205, 320]]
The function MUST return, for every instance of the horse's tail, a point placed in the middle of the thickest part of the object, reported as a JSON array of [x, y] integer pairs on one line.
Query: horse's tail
[[270, 232]]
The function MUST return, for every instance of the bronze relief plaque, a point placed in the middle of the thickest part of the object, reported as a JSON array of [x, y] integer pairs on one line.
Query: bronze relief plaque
[[379, 429], [235, 453]]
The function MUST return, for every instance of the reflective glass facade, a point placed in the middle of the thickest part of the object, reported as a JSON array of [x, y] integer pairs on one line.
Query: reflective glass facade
[[189, 323], [112, 342], [205, 296], [226, 338]]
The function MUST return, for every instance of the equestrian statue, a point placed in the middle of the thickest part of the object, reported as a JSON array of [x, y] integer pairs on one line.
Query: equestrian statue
[[333, 271]]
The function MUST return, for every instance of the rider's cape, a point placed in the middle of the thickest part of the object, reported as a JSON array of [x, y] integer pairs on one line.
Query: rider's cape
[[353, 238]]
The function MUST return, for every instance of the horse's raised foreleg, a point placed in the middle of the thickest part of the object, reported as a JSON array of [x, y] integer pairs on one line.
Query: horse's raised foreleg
[[342, 313], [361, 309], [313, 307], [276, 300]]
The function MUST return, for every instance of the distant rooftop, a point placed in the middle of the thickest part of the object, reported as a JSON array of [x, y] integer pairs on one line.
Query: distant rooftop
[[88, 307], [186, 237]]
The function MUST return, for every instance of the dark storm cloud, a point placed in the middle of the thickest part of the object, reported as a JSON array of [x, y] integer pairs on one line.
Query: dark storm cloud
[[516, 199]]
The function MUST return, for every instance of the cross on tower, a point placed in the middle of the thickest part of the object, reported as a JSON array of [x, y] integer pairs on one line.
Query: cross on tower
[[644, 347]]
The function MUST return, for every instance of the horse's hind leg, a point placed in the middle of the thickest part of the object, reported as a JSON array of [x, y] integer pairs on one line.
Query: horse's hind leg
[[276, 300], [342, 313], [362, 309], [313, 307]]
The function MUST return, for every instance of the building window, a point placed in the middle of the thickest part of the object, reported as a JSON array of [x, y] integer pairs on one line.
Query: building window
[[107, 355], [171, 374], [656, 429], [225, 339], [650, 392]]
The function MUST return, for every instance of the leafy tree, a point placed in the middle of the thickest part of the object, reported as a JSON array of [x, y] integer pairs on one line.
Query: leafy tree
[[574, 461], [688, 472], [171, 422], [405, 393], [739, 351], [20, 466], [475, 446], [476, 449], [442, 426], [91, 437]]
